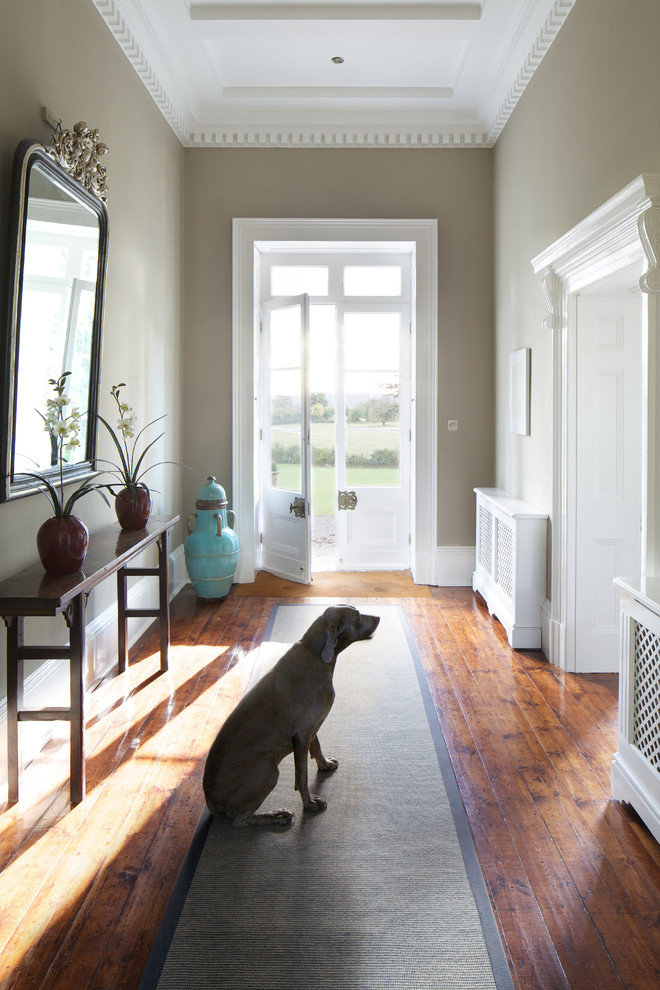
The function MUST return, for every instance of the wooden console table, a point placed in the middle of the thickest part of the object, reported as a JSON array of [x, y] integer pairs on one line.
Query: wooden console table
[[33, 592]]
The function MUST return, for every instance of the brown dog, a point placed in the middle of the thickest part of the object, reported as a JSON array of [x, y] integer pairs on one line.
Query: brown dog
[[281, 714]]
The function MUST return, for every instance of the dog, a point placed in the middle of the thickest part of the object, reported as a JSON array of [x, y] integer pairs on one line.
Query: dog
[[281, 714]]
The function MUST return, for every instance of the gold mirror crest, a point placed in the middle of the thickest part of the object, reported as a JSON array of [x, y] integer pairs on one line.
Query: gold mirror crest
[[79, 151]]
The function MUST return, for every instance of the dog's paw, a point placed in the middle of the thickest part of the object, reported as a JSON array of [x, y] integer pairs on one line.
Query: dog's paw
[[316, 804], [327, 766], [282, 817]]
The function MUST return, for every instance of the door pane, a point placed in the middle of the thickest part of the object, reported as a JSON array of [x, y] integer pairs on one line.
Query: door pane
[[293, 280], [372, 280], [371, 384], [285, 399]]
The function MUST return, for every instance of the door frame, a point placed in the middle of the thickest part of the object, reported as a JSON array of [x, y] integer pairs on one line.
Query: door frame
[[249, 237], [619, 240]]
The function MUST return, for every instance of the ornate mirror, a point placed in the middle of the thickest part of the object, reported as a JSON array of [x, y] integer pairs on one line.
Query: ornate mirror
[[59, 247]]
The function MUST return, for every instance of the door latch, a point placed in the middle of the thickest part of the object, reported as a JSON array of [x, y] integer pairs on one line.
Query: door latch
[[346, 500], [298, 507]]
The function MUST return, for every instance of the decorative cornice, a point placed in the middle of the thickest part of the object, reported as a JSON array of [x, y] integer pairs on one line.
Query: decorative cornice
[[428, 132], [126, 40], [649, 234], [623, 231], [333, 137], [553, 22], [606, 239]]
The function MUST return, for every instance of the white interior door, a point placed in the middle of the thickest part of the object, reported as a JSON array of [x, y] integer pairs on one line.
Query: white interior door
[[608, 470], [373, 437], [285, 441]]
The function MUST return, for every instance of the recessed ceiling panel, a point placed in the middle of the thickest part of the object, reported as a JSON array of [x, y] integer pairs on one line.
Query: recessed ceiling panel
[[287, 56]]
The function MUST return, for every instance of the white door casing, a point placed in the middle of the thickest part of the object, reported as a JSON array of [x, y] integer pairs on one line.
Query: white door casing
[[250, 236], [622, 239], [608, 472]]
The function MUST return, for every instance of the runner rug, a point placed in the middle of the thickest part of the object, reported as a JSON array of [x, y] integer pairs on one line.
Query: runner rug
[[383, 890]]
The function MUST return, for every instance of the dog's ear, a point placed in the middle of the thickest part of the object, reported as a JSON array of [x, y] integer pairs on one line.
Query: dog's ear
[[328, 651]]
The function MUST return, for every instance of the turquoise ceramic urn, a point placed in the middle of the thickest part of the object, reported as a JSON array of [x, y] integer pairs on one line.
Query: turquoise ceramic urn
[[211, 547]]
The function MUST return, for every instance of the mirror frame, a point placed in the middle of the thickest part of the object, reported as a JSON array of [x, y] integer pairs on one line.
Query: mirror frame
[[27, 154]]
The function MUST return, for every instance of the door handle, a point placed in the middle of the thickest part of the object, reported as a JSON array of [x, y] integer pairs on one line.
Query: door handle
[[346, 500], [298, 507]]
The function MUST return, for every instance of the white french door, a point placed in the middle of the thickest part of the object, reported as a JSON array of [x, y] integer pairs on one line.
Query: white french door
[[285, 522], [335, 429]]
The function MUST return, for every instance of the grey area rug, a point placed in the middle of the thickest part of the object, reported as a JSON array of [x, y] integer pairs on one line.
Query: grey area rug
[[383, 890]]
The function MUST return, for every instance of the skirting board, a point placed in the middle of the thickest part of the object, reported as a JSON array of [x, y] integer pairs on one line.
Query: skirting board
[[553, 637], [453, 567], [49, 684]]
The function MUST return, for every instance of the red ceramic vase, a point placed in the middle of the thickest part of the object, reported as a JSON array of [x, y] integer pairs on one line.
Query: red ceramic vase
[[133, 514], [62, 543]]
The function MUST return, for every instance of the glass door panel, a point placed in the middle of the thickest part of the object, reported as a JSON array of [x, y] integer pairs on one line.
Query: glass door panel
[[373, 437], [371, 397]]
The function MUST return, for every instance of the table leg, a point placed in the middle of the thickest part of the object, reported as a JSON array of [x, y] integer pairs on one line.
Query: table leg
[[122, 636], [164, 599], [76, 622], [15, 667]]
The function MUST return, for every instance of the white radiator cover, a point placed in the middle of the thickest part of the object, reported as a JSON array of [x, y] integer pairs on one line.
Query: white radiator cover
[[510, 564], [636, 765]]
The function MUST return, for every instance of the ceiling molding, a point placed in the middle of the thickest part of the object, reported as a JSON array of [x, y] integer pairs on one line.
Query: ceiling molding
[[341, 137], [346, 11], [418, 128], [555, 18], [114, 19]]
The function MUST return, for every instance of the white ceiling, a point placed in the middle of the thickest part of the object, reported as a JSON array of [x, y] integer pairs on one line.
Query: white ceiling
[[429, 74]]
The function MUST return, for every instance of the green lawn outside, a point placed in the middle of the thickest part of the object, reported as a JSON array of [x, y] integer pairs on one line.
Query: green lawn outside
[[324, 494], [361, 438]]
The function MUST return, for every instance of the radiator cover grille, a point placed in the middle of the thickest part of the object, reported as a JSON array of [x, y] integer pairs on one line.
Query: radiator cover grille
[[504, 576], [646, 694], [486, 539]]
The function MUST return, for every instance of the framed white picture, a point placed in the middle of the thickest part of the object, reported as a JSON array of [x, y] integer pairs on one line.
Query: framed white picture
[[519, 367]]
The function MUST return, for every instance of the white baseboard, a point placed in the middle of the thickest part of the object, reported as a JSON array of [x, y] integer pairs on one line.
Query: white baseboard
[[453, 567], [49, 684], [545, 628], [553, 637]]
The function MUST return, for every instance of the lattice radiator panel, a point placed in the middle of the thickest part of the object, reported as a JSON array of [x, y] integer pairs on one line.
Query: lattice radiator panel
[[504, 576], [646, 693], [486, 539]]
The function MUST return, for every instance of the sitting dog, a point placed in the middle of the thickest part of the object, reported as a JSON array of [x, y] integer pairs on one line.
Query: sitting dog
[[281, 714]]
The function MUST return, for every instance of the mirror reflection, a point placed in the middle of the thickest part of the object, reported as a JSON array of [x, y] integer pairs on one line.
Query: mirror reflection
[[58, 290]]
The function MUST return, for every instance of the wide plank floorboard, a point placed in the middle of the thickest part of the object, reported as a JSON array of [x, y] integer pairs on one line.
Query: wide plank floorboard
[[574, 877]]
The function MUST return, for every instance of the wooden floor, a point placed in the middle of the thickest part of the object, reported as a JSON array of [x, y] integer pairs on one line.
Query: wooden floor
[[574, 877]]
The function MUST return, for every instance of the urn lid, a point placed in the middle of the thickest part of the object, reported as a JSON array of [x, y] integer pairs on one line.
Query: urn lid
[[211, 495]]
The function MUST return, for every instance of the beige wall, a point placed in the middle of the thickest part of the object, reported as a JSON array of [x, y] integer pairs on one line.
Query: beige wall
[[586, 126], [452, 186], [59, 53]]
